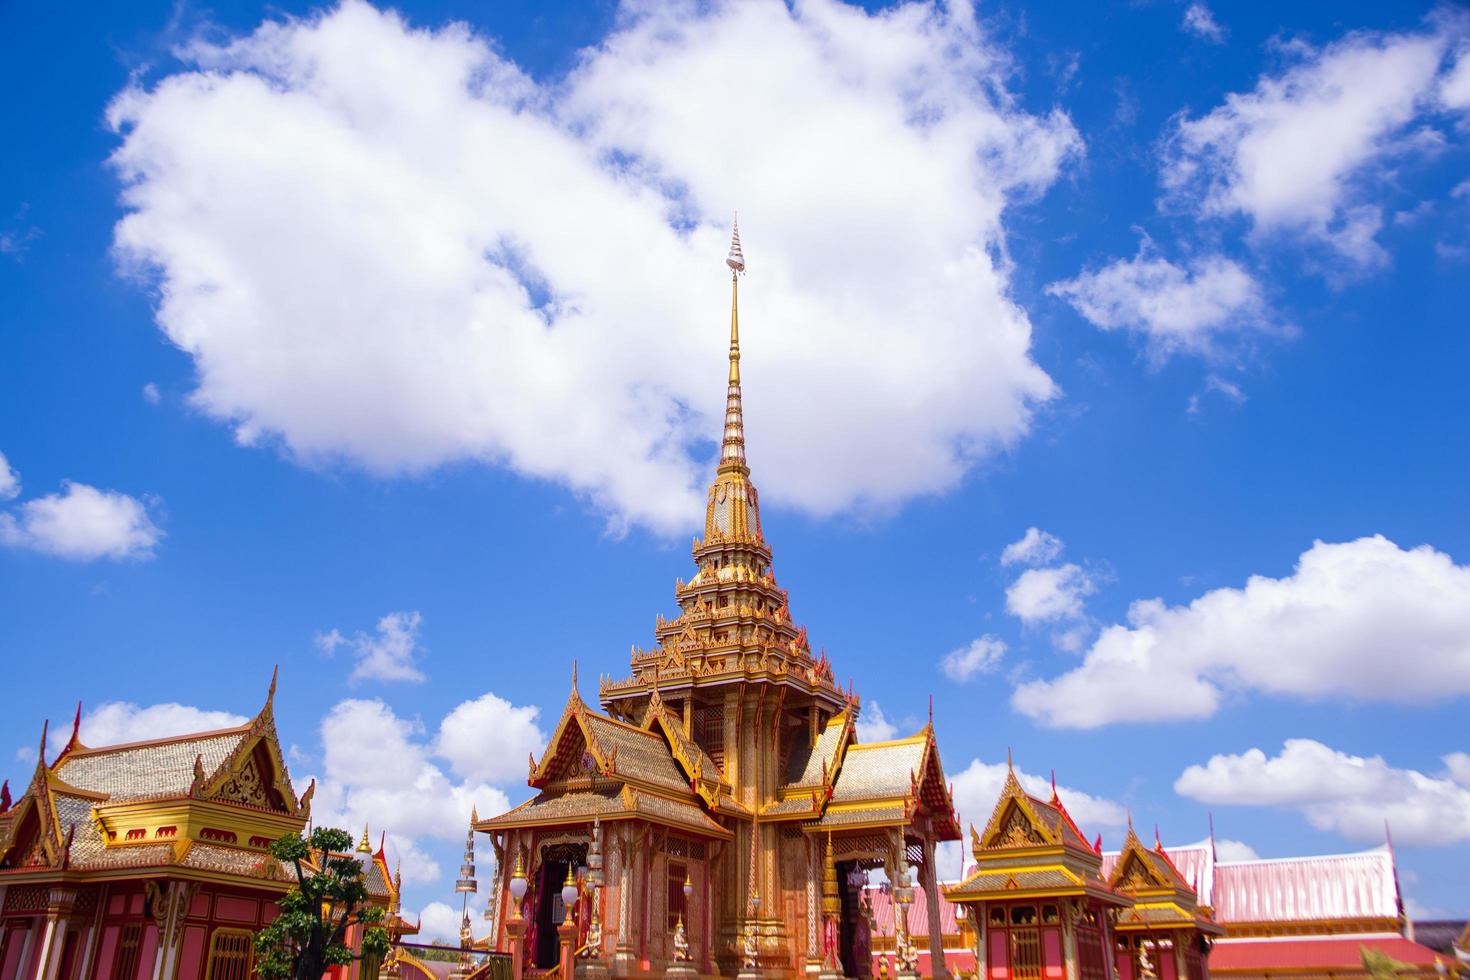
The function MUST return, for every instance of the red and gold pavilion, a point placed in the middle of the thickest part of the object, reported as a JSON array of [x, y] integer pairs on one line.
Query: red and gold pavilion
[[717, 779], [148, 860]]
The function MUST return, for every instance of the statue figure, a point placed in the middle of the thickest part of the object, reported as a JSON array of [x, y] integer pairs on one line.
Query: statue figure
[[681, 941], [1146, 968], [750, 949]]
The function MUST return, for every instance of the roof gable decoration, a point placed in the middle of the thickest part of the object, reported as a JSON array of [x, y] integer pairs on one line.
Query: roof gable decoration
[[1133, 871], [47, 843], [254, 774], [573, 748], [927, 786], [1013, 823], [706, 780]]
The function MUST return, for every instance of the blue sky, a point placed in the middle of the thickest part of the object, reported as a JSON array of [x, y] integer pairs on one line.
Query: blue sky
[[386, 345]]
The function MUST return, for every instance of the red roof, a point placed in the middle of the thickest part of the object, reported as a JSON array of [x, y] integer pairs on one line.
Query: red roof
[[1314, 953]]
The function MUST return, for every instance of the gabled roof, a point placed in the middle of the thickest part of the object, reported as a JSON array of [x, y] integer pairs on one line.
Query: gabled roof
[[1162, 898], [585, 742], [605, 801], [813, 764], [1021, 820], [1329, 886], [62, 819], [702, 772], [1031, 846]]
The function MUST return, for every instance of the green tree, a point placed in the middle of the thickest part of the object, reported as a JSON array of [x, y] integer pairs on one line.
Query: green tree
[[1380, 965], [306, 936]]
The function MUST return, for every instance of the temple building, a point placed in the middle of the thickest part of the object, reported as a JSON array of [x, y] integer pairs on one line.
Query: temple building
[[1304, 917], [148, 860], [1041, 905], [720, 783]]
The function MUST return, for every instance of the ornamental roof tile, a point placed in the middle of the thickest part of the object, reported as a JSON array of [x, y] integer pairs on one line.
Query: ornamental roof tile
[[640, 754], [581, 806], [879, 771], [1000, 882], [864, 815], [806, 765], [144, 770]]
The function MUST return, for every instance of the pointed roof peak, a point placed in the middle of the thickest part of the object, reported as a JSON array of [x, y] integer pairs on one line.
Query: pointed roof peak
[[736, 259]]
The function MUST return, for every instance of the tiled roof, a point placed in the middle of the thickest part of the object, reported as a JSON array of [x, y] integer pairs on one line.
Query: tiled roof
[[1155, 915], [673, 726], [805, 766], [581, 806], [999, 881], [1312, 953], [879, 771], [1334, 886], [149, 769], [882, 902], [864, 815], [640, 754]]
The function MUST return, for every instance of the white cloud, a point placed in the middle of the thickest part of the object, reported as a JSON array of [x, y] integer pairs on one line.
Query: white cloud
[[489, 738], [151, 394], [1458, 766], [123, 721], [377, 769], [82, 523], [1348, 794], [390, 247], [1035, 547], [1175, 309], [1363, 619], [1303, 152], [386, 655], [1047, 594], [439, 923], [1234, 850], [9, 480], [981, 656], [1454, 89], [977, 788], [1199, 21], [873, 726]]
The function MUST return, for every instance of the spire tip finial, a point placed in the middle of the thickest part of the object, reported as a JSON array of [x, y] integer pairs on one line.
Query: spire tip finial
[[736, 259]]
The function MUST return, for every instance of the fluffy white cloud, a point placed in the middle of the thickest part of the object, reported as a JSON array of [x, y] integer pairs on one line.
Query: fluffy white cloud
[[123, 721], [977, 788], [116, 722], [981, 656], [82, 523], [439, 923], [1234, 850], [1348, 794], [389, 654], [1362, 619], [1035, 547], [389, 246], [1301, 153], [151, 394], [1458, 765], [1454, 90], [9, 480], [1175, 309], [1047, 594], [489, 738], [874, 726], [1199, 21], [378, 770]]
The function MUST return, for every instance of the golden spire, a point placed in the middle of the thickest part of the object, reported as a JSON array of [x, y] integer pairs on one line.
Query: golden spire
[[364, 845], [732, 449]]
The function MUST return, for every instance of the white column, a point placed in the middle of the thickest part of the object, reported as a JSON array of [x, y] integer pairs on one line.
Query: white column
[[44, 969]]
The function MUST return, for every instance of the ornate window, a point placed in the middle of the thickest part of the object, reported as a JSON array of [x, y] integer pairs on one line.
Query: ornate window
[[125, 964], [230, 955]]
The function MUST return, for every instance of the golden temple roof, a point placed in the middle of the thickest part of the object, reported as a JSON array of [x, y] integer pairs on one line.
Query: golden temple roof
[[144, 770]]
